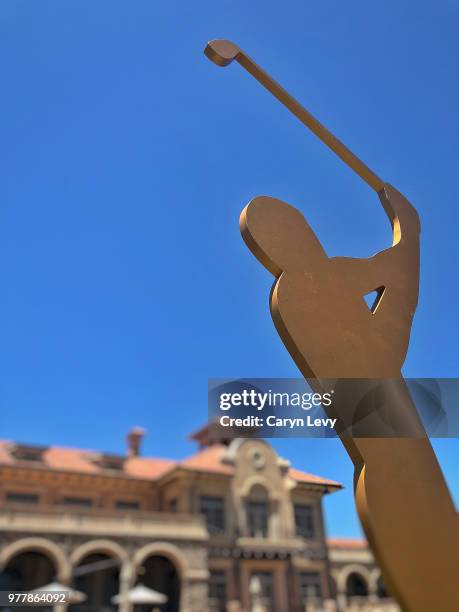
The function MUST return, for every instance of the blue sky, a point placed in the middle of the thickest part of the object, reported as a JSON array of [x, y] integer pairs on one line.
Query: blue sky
[[126, 158]]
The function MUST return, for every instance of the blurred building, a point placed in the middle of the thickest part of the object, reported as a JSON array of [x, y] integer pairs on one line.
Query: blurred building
[[201, 530]]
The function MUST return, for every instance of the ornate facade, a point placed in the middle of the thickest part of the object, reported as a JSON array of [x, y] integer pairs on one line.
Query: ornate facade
[[203, 531]]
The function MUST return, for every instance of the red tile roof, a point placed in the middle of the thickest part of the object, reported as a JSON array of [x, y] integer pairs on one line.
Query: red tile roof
[[347, 543], [4, 454], [208, 459], [148, 467], [85, 461], [69, 459], [300, 476]]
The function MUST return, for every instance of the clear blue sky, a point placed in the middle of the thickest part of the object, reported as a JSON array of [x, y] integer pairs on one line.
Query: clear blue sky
[[126, 157]]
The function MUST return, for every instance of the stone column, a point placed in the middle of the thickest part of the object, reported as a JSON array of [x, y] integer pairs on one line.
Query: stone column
[[64, 577], [280, 590], [373, 586], [184, 595], [341, 599], [127, 577], [372, 594], [193, 595]]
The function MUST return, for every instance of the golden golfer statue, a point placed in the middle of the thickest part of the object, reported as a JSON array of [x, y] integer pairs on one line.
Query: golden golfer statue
[[318, 307]]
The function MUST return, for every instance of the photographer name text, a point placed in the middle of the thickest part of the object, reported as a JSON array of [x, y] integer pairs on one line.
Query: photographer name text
[[273, 421]]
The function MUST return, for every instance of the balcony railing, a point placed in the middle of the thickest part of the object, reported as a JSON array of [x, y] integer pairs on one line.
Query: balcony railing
[[100, 521]]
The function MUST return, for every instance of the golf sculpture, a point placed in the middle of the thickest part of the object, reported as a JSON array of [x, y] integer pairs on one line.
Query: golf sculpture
[[318, 308]]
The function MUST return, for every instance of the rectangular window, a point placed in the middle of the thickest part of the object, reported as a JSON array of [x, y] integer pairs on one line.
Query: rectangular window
[[173, 505], [257, 519], [77, 502], [304, 521], [21, 498], [264, 587], [217, 591], [310, 585], [213, 509], [127, 504]]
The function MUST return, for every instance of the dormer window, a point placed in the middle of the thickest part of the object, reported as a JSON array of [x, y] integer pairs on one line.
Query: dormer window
[[109, 462], [26, 452]]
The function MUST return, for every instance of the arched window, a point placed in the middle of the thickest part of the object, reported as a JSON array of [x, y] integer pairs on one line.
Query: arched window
[[160, 574], [97, 575], [257, 512], [356, 586], [26, 571]]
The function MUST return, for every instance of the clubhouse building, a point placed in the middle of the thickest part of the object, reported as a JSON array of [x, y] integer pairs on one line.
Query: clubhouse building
[[232, 528]]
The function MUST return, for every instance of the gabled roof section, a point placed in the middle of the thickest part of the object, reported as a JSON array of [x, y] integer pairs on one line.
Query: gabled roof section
[[307, 478], [209, 459]]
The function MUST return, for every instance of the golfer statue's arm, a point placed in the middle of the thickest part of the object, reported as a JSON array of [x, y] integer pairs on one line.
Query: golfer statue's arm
[[393, 268]]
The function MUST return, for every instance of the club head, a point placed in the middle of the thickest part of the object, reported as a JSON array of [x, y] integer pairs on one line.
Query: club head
[[221, 52]]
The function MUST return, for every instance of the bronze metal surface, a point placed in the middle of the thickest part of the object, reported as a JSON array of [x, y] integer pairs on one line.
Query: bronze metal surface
[[318, 308]]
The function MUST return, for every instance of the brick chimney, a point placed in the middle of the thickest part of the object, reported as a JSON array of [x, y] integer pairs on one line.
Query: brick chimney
[[134, 440]]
